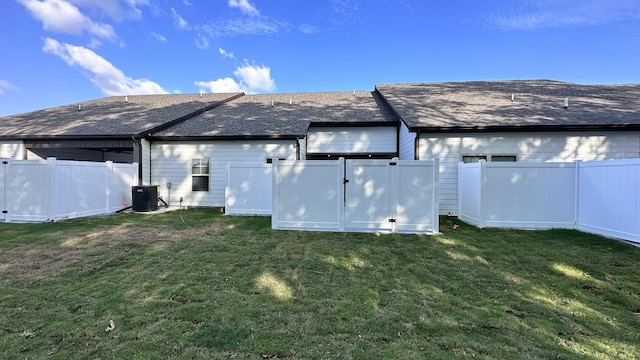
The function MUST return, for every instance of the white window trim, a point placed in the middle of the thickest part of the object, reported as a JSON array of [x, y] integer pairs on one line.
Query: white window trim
[[488, 156], [208, 174]]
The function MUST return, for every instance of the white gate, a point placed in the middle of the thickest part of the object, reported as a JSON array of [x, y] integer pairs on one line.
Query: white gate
[[356, 195]]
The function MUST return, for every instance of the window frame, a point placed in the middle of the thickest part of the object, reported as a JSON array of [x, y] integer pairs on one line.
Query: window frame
[[487, 157], [201, 174]]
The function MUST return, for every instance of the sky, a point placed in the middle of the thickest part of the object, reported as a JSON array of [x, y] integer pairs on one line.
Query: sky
[[58, 52]]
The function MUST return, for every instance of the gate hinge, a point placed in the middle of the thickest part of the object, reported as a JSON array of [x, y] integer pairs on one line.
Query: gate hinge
[[5, 162], [392, 220], [393, 163], [5, 211], [345, 181]]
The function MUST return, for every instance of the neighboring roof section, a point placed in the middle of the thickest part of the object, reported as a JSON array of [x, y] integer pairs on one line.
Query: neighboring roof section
[[111, 116], [284, 115], [513, 105]]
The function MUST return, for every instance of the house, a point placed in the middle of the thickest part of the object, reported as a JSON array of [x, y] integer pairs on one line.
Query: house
[[98, 130], [537, 121], [183, 142], [193, 154]]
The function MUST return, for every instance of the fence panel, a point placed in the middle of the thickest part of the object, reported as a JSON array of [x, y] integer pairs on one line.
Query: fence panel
[[249, 189], [28, 189], [308, 195], [79, 189], [46, 190], [121, 179], [609, 198], [520, 195], [470, 193], [417, 205]]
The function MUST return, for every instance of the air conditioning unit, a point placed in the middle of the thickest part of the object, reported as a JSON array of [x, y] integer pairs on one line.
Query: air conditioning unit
[[144, 198]]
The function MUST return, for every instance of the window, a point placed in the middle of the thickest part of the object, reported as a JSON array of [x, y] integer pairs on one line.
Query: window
[[489, 158], [200, 175]]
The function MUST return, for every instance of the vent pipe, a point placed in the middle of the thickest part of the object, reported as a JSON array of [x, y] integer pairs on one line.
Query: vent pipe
[[79, 107], [513, 97], [290, 101], [126, 99], [566, 103]]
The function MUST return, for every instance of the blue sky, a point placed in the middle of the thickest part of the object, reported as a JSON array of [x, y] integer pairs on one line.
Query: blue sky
[[57, 52]]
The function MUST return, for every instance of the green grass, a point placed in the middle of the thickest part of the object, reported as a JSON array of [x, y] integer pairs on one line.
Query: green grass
[[231, 287]]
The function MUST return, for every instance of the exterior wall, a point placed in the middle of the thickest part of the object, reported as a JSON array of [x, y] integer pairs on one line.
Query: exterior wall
[[534, 147], [146, 162], [12, 150], [171, 162], [341, 140], [407, 143]]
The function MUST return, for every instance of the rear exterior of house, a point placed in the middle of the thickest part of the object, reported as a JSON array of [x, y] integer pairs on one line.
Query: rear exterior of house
[[513, 121], [192, 156]]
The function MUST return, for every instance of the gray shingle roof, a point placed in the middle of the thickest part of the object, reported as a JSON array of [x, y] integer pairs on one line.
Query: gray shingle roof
[[479, 105], [284, 115], [110, 116]]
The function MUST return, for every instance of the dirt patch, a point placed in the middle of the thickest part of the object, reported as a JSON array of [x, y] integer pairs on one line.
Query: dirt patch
[[30, 263]]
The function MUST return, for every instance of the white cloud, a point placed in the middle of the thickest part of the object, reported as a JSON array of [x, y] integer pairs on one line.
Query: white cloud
[[226, 54], [308, 29], [115, 9], [159, 37], [178, 20], [64, 17], [109, 79], [5, 86], [250, 79], [225, 85], [255, 78], [530, 15], [243, 27], [202, 42], [244, 6]]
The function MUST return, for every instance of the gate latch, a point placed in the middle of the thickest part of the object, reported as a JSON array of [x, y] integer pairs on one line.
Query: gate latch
[[345, 181], [392, 220]]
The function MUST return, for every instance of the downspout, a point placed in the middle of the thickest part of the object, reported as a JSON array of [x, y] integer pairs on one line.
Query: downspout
[[137, 149]]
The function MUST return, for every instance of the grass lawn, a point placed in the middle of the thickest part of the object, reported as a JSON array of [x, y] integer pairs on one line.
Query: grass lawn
[[223, 287]]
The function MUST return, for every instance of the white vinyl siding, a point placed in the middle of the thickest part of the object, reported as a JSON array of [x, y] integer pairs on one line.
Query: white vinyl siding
[[171, 162], [348, 140], [536, 147], [146, 161], [407, 143], [12, 150]]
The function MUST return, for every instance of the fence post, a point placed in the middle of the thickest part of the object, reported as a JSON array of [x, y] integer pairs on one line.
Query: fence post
[[110, 185], [53, 182], [436, 196], [576, 211], [483, 193]]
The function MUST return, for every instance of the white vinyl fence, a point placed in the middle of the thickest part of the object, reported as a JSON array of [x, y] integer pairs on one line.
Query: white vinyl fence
[[356, 195], [248, 190], [50, 190], [601, 197]]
